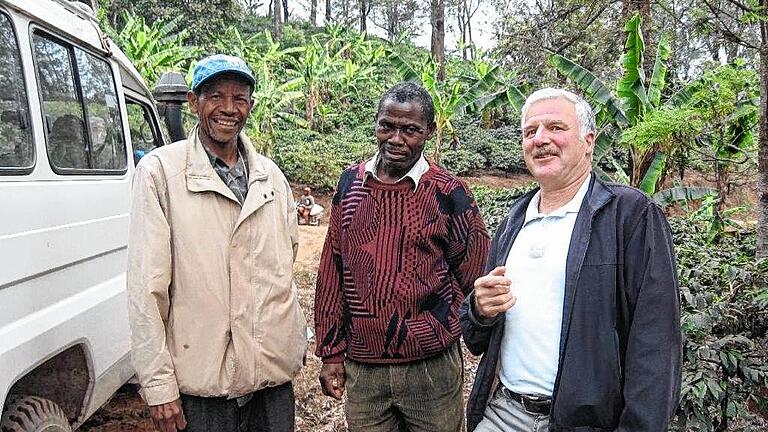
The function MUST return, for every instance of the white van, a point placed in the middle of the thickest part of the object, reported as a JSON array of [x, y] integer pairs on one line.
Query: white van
[[73, 113]]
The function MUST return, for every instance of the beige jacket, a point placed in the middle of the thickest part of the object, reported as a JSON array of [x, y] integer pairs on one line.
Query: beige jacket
[[212, 305]]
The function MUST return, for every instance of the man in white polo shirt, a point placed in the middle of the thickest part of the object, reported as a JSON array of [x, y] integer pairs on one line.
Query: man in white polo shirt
[[578, 318]]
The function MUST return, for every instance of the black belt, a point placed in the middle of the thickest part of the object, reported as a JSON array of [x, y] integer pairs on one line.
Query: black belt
[[532, 404]]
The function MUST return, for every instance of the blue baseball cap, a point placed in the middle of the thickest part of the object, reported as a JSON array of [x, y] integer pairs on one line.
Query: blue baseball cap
[[217, 64]]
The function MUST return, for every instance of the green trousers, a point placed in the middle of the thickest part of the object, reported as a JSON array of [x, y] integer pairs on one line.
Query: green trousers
[[421, 396]]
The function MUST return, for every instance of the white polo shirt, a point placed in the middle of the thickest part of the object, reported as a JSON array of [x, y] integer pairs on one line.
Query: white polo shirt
[[536, 265]]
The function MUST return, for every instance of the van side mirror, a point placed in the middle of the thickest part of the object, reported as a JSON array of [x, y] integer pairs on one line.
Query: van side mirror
[[171, 93]]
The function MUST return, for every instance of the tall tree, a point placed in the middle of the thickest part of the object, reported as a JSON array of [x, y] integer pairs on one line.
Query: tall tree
[[327, 12], [465, 10], [277, 19], [762, 156], [313, 12], [365, 10], [396, 17], [285, 10], [437, 20], [747, 24]]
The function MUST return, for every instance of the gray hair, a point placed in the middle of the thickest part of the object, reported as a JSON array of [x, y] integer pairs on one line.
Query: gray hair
[[584, 114]]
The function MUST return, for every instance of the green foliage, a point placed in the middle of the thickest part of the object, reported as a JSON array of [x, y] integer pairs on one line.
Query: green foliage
[[462, 94], [494, 203], [310, 158], [663, 129], [497, 148], [631, 104], [462, 161], [724, 324], [727, 100], [631, 86], [718, 109], [203, 19], [156, 48]]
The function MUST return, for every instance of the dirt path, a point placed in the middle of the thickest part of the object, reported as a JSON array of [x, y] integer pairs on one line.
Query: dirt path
[[311, 240]]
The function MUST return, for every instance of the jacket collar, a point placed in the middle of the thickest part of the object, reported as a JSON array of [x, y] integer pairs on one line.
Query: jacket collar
[[597, 196], [201, 176]]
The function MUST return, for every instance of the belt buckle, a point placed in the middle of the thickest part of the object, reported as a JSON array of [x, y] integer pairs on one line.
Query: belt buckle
[[534, 405]]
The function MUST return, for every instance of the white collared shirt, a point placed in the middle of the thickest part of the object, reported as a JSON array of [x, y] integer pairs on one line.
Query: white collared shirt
[[530, 347], [415, 173]]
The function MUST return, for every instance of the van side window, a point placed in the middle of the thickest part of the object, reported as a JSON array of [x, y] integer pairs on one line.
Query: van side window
[[104, 123], [144, 135], [16, 149], [80, 107]]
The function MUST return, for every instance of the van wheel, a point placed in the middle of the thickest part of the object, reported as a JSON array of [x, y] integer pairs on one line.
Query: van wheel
[[33, 414]]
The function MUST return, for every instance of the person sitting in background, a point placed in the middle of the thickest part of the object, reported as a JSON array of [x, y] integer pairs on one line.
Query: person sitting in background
[[304, 207]]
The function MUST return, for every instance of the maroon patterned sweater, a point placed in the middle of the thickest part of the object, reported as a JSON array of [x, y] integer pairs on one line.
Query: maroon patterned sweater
[[396, 266]]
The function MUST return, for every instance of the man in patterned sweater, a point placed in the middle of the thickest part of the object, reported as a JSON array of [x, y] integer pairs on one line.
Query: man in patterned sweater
[[405, 244]]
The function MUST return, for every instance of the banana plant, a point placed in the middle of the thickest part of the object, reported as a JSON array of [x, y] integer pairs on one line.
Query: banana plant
[[319, 69], [272, 102], [154, 48], [626, 106], [452, 98]]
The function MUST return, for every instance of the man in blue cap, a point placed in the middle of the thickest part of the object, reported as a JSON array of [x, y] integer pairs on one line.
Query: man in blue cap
[[212, 241]]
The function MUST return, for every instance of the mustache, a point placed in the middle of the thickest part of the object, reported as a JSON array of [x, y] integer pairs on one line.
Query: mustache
[[543, 151]]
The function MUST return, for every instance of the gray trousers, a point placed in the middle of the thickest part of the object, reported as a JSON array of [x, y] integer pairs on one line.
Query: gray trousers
[[506, 415], [269, 410]]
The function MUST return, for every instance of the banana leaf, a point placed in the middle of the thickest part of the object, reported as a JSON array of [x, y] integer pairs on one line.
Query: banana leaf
[[652, 176], [406, 71], [605, 140], [685, 94], [477, 91], [631, 87], [681, 193], [659, 75], [591, 85], [512, 96]]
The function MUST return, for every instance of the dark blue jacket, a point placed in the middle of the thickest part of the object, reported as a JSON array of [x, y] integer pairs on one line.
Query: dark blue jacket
[[620, 345]]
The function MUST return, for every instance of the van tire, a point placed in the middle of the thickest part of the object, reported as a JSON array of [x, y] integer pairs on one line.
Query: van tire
[[33, 414]]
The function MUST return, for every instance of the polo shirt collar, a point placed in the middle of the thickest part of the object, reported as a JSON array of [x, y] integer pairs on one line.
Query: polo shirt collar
[[572, 206], [415, 173]]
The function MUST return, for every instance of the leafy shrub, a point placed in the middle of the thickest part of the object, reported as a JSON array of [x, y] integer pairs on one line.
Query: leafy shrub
[[317, 160], [499, 147], [461, 161], [724, 323], [494, 203]]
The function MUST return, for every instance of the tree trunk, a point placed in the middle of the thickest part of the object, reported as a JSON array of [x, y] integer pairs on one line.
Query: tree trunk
[[363, 16], [469, 33], [327, 12], [277, 19], [391, 20], [460, 15], [285, 10], [313, 13], [309, 112], [438, 144], [762, 152], [437, 19]]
